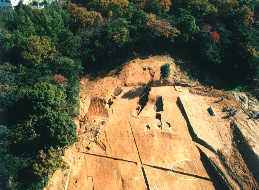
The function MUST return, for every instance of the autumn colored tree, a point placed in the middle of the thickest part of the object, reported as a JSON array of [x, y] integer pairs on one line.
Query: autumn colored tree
[[207, 27], [81, 18], [215, 36], [161, 28], [157, 6], [59, 79], [109, 7]]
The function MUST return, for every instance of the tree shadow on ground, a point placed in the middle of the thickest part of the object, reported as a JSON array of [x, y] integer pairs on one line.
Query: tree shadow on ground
[[131, 94], [216, 175], [111, 66], [247, 153]]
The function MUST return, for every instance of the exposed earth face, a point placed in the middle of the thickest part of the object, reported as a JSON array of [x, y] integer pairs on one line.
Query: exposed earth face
[[168, 142]]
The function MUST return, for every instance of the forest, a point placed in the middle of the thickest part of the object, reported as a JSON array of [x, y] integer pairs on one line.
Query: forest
[[45, 52]]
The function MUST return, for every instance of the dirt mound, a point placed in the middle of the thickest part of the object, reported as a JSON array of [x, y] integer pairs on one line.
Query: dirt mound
[[141, 71], [97, 108]]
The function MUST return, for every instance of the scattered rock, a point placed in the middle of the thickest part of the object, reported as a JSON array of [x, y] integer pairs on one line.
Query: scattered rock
[[110, 102], [231, 113], [242, 98], [87, 148], [253, 104], [211, 112], [255, 115], [169, 124], [225, 109], [117, 91]]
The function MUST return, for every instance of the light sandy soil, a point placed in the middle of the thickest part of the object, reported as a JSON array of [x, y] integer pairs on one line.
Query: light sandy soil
[[214, 135], [119, 149]]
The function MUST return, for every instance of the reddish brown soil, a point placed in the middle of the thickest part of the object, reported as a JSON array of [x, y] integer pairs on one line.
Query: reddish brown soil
[[119, 149]]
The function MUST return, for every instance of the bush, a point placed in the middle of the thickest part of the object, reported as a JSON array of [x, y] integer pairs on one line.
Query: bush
[[46, 163], [44, 95], [165, 71]]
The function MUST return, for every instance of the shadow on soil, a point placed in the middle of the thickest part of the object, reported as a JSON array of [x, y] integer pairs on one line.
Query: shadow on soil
[[109, 157], [145, 178], [131, 94], [103, 66], [223, 161], [248, 155], [178, 172], [216, 175], [194, 136]]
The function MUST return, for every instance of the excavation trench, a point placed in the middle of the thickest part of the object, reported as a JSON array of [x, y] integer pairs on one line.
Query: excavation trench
[[151, 148]]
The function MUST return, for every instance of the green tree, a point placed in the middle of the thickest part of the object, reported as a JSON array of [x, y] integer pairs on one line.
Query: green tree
[[8, 84], [165, 71], [55, 129], [45, 95], [37, 49], [186, 23], [46, 163], [118, 32]]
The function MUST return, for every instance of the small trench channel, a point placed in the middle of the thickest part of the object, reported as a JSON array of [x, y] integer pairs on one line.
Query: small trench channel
[[159, 104]]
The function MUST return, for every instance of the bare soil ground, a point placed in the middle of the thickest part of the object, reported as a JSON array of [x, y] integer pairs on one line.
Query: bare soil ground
[[172, 143]]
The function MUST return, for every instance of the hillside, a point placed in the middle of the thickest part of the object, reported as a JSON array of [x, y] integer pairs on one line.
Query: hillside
[[168, 145]]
